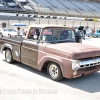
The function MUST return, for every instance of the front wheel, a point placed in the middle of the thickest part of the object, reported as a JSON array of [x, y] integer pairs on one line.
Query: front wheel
[[54, 71], [8, 56]]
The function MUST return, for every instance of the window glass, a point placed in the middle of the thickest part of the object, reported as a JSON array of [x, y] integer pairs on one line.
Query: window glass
[[47, 32], [34, 33], [57, 34]]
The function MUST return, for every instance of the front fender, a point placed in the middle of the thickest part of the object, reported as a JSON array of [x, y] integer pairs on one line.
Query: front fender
[[52, 59]]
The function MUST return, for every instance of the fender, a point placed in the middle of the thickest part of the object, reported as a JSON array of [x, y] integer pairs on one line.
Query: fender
[[52, 59], [6, 46]]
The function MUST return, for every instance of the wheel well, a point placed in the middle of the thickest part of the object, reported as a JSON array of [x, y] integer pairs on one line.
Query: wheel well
[[6, 48], [9, 34], [46, 64]]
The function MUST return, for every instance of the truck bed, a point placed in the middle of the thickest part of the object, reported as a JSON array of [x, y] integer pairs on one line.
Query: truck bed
[[13, 39], [14, 44]]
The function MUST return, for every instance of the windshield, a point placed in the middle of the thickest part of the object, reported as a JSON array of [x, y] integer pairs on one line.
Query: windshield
[[57, 35]]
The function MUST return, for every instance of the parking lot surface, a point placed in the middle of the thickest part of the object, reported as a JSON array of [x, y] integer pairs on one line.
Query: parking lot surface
[[20, 82]]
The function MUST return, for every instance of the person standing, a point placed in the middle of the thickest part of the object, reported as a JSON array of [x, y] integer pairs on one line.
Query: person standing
[[84, 33], [23, 32], [93, 31], [78, 37], [18, 31]]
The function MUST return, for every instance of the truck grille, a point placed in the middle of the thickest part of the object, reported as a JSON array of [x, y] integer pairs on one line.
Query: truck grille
[[90, 63]]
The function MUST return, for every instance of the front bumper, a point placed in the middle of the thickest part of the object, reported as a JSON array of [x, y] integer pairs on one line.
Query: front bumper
[[87, 71], [87, 66]]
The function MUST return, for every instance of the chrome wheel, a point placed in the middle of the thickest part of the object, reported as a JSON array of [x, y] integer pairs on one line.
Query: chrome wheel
[[9, 35], [53, 70], [8, 56]]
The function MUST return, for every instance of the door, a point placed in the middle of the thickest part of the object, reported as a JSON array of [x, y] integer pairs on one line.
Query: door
[[29, 53]]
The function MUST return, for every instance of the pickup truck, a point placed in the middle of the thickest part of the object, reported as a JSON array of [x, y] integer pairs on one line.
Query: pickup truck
[[53, 47]]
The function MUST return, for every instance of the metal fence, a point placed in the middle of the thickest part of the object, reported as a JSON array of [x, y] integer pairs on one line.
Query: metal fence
[[30, 20]]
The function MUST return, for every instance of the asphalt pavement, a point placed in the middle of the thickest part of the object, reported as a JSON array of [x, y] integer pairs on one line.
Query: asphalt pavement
[[20, 82]]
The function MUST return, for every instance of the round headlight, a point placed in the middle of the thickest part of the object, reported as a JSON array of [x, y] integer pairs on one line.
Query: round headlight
[[76, 65]]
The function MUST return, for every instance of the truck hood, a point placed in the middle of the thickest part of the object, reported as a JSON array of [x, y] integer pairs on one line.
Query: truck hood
[[72, 50]]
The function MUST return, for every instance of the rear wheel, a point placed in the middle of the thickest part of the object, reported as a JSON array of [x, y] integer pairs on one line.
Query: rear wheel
[[1, 35], [8, 56], [54, 71], [9, 35]]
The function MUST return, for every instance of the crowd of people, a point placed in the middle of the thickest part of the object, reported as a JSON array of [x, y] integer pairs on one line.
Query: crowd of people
[[81, 34], [20, 33]]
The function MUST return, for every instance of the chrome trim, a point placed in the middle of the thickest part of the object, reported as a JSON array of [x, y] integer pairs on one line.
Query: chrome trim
[[29, 48], [89, 63]]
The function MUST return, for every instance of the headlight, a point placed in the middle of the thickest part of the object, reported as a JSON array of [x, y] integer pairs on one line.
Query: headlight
[[75, 64]]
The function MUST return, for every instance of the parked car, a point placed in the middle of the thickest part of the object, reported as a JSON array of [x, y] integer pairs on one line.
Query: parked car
[[9, 32], [54, 48], [88, 30], [96, 34]]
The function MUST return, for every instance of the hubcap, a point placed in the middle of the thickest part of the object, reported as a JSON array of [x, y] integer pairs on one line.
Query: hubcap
[[8, 56], [9, 35], [53, 70], [0, 35]]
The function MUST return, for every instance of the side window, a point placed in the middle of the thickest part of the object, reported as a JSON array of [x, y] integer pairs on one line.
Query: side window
[[34, 33], [31, 32]]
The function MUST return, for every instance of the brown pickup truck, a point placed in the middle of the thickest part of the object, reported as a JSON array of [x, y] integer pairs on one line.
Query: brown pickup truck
[[54, 47]]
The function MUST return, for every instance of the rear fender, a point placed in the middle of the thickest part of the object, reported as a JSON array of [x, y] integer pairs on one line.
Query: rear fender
[[6, 46]]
